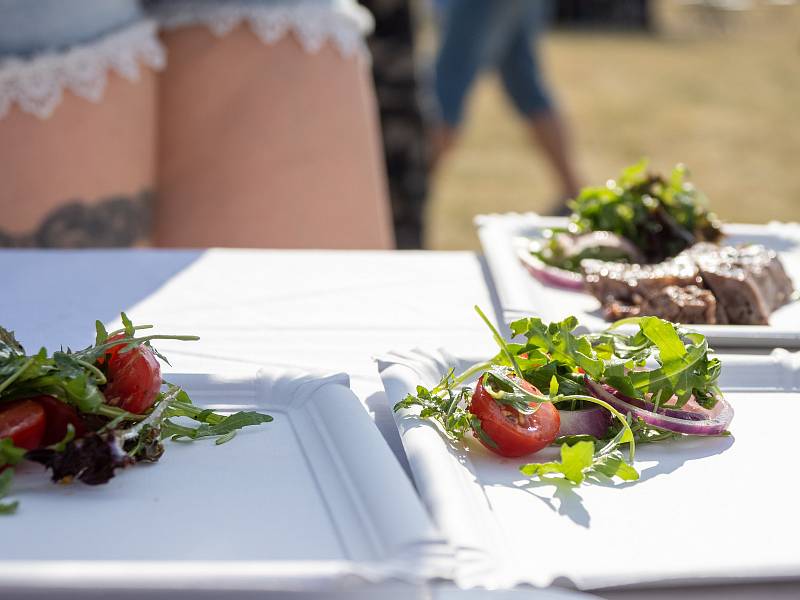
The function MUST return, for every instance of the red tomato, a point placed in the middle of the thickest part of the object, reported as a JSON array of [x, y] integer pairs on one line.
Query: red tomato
[[24, 422], [514, 433], [134, 378], [57, 416]]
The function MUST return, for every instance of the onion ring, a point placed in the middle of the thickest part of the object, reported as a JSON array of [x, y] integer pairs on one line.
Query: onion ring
[[593, 421], [698, 422]]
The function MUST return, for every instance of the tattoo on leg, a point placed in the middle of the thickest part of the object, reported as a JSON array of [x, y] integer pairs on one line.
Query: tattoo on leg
[[110, 223]]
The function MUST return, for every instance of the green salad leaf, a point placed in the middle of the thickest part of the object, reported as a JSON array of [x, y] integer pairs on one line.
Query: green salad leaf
[[660, 216], [579, 461], [444, 404]]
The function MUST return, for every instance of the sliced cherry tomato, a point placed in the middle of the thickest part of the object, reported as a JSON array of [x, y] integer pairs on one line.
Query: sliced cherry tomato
[[134, 378], [24, 422], [57, 416], [514, 433]]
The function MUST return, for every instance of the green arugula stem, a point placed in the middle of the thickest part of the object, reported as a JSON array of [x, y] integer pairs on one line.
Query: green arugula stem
[[135, 328], [619, 416], [98, 350], [469, 373], [113, 412], [500, 342], [14, 376], [99, 375], [190, 410]]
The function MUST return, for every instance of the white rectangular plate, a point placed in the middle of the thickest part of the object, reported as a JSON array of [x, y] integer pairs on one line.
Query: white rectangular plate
[[312, 500], [704, 511], [521, 294]]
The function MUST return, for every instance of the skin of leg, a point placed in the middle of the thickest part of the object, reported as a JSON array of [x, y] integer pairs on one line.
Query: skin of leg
[[443, 140], [548, 131], [86, 152], [267, 146]]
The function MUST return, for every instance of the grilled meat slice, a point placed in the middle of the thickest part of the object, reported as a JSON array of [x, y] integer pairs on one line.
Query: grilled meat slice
[[744, 285], [635, 282], [749, 282], [768, 272], [682, 304], [614, 310]]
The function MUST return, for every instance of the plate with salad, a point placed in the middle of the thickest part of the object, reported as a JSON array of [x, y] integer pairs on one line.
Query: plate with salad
[[269, 482], [631, 456], [647, 244]]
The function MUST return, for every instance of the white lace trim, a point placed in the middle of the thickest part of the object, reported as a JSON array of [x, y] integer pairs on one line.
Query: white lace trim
[[344, 24], [37, 84]]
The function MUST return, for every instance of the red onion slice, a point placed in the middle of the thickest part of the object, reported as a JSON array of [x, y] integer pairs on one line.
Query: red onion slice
[[696, 422], [549, 274], [594, 421]]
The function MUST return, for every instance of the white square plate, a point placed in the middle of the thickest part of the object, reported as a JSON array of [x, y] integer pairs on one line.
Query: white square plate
[[505, 237], [704, 511], [312, 500]]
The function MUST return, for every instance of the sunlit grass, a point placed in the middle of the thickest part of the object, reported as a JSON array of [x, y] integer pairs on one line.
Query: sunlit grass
[[724, 101]]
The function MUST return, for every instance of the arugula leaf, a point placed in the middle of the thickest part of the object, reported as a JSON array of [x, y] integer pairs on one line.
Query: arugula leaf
[[224, 430], [68, 437], [553, 386], [567, 381], [504, 349], [126, 323], [443, 404], [578, 461], [9, 346], [685, 369], [507, 389], [9, 453], [477, 427], [559, 343], [664, 335], [613, 465], [101, 333]]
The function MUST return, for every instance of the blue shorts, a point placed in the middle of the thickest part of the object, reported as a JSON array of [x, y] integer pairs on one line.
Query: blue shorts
[[494, 34]]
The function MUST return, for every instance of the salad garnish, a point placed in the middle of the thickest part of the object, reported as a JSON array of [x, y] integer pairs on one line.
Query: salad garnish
[[592, 394], [84, 414], [645, 218]]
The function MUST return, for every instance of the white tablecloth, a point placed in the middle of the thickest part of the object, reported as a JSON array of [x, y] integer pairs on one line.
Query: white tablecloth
[[321, 310]]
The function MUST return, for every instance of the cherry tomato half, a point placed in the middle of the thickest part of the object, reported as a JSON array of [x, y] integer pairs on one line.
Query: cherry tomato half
[[24, 422], [514, 433], [57, 416], [134, 378]]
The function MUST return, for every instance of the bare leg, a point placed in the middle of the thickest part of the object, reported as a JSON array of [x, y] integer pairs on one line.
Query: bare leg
[[443, 140], [548, 132], [267, 146], [81, 177]]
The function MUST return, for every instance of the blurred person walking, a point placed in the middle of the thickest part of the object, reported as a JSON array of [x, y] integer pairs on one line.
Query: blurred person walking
[[501, 35]]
